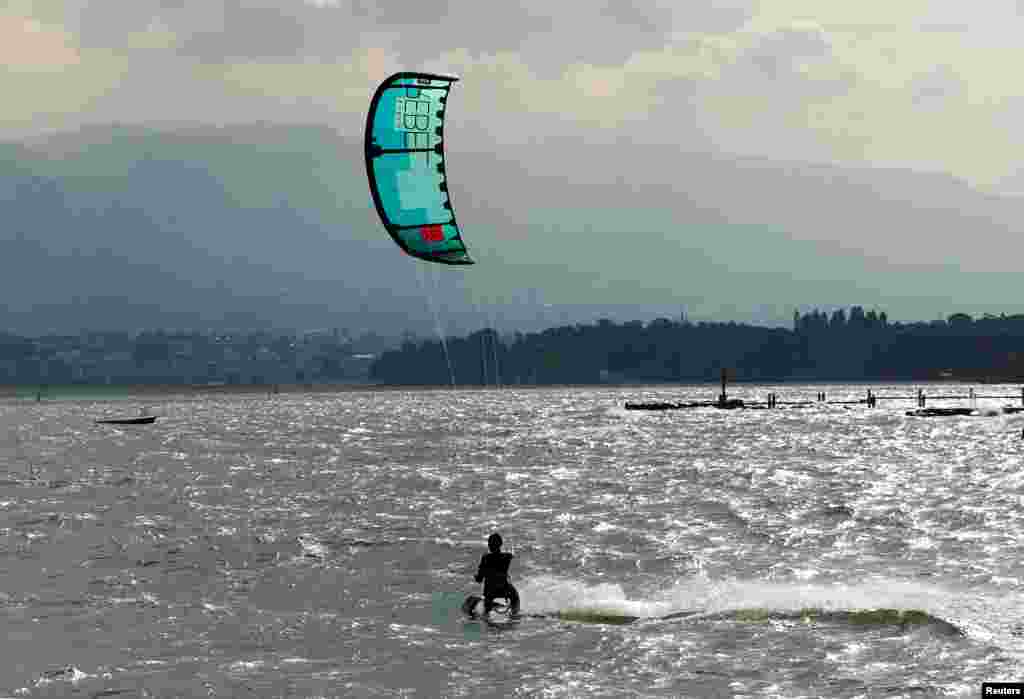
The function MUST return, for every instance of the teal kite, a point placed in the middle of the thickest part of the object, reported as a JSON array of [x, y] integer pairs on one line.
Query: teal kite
[[405, 166]]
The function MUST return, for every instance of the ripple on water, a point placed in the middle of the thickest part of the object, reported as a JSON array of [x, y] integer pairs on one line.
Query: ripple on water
[[300, 544]]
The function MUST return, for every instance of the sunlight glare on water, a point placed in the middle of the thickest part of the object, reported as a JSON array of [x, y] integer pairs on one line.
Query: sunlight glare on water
[[322, 544]]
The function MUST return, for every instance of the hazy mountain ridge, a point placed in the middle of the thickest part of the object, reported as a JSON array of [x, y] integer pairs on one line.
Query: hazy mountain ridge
[[158, 221], [271, 226]]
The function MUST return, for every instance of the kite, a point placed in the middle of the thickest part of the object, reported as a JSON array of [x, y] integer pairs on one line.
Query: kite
[[405, 166]]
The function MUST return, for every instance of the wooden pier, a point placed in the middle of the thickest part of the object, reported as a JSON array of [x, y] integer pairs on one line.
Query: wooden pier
[[870, 400]]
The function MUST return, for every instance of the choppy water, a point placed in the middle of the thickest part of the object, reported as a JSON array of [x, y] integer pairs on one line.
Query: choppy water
[[320, 546]]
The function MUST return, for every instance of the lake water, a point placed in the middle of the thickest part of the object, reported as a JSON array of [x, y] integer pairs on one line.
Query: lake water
[[320, 545]]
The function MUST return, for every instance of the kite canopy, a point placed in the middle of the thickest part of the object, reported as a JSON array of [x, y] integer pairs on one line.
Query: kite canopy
[[405, 166]]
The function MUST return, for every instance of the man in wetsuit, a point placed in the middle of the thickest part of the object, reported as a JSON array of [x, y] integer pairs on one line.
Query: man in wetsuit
[[493, 573]]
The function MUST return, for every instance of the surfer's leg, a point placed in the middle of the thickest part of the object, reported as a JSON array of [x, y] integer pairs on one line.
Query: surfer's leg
[[469, 606], [513, 599], [488, 604]]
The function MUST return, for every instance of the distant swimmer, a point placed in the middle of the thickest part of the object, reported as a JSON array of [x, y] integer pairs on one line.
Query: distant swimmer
[[493, 573]]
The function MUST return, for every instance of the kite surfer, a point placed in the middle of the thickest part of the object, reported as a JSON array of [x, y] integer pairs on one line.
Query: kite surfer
[[493, 573]]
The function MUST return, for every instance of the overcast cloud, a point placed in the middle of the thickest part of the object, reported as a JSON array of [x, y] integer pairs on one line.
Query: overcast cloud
[[921, 86]]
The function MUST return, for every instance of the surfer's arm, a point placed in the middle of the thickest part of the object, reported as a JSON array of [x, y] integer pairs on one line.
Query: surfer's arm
[[480, 571]]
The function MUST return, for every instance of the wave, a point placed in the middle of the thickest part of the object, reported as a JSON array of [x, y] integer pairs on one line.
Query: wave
[[877, 617], [700, 600], [905, 619]]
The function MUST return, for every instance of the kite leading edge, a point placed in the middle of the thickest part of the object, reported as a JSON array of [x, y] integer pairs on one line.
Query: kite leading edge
[[405, 166]]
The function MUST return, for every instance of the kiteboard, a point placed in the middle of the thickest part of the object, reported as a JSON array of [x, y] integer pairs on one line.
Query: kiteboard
[[473, 607]]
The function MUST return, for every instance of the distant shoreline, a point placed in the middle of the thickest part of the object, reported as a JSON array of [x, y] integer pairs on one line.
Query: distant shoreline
[[101, 391], [28, 391]]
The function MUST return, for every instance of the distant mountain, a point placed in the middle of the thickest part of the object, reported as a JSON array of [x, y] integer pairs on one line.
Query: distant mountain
[[270, 227], [131, 228]]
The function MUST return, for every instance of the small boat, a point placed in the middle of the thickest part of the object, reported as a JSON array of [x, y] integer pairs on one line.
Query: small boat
[[146, 420]]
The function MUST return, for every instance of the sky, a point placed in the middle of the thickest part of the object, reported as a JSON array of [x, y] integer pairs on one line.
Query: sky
[[760, 154]]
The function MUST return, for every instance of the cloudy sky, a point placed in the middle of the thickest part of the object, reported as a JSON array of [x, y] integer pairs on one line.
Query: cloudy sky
[[911, 108]]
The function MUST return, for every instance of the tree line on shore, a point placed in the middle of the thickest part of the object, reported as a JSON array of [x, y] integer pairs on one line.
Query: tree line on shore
[[844, 345]]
